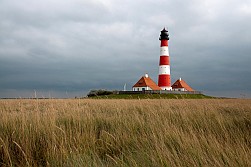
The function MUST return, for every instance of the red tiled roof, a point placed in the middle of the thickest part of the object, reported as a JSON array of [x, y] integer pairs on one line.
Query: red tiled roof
[[147, 81], [181, 84]]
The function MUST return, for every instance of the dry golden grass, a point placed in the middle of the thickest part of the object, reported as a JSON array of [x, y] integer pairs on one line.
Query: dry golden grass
[[150, 132]]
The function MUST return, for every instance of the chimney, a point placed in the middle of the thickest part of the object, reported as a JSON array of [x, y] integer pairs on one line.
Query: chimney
[[146, 75]]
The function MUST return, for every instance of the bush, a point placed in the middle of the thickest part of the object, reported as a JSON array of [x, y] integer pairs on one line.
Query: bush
[[100, 92]]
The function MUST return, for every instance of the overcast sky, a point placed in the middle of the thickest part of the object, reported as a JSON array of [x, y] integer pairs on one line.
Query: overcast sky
[[64, 48]]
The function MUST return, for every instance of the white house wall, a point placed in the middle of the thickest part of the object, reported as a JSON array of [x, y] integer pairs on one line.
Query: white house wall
[[141, 88], [179, 89]]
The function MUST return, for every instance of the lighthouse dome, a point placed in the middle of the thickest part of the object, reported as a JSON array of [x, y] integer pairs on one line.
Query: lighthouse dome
[[164, 34]]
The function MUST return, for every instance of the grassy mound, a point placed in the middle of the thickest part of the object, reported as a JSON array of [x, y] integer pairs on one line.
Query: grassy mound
[[152, 96]]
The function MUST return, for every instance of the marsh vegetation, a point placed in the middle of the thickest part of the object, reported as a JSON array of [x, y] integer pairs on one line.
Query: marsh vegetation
[[125, 132]]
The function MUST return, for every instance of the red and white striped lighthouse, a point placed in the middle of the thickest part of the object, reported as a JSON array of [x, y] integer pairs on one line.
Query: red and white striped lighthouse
[[164, 81]]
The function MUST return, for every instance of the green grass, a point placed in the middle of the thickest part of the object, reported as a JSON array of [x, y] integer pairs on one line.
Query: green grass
[[153, 96], [126, 133]]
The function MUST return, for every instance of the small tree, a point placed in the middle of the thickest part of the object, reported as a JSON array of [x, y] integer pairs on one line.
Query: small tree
[[99, 92]]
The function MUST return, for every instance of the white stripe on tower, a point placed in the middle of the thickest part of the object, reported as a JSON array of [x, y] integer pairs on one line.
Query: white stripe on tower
[[164, 81], [164, 51], [164, 69]]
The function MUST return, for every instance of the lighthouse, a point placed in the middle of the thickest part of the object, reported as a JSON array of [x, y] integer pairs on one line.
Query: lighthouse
[[164, 81]]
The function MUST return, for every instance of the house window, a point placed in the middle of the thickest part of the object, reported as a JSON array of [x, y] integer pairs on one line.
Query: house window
[[138, 89]]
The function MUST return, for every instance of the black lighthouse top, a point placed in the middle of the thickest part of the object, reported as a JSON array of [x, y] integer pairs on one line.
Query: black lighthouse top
[[164, 34]]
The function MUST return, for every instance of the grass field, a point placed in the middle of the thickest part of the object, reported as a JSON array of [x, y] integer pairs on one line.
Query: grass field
[[125, 132]]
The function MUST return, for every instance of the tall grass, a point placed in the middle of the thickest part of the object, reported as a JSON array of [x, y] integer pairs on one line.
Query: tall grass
[[87, 132]]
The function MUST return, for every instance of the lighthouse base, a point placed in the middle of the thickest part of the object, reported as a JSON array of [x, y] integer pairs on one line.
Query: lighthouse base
[[165, 88]]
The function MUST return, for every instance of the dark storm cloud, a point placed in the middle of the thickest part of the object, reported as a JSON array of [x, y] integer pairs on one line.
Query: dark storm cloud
[[70, 47]]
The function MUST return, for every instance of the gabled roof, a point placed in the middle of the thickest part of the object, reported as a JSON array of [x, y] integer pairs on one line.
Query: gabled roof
[[181, 84], [147, 81]]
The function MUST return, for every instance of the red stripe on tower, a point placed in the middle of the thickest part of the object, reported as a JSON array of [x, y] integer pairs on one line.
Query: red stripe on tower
[[164, 81], [164, 42]]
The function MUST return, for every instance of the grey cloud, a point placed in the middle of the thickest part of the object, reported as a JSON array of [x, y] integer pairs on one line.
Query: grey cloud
[[74, 46]]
